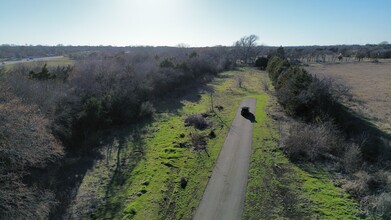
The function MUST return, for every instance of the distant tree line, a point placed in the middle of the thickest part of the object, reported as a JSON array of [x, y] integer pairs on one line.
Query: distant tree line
[[245, 49]]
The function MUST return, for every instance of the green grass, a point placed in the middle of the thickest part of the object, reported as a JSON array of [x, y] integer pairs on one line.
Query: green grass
[[151, 189], [147, 184], [61, 61], [165, 198], [279, 189]]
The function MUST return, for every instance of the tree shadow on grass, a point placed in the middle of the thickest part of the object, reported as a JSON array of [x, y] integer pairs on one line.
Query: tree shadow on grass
[[173, 101], [130, 150], [70, 174], [376, 144]]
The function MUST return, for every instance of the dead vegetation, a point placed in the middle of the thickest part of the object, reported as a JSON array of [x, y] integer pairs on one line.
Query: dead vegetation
[[26, 143], [312, 142], [198, 121]]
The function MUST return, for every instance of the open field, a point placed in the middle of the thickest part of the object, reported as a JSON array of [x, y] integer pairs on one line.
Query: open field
[[370, 85], [50, 61]]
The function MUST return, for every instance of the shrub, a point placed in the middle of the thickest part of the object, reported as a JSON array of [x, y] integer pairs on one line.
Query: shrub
[[261, 62], [197, 121], [382, 206], [300, 93], [239, 79], [147, 109], [167, 63], [275, 67], [42, 75], [378, 181], [291, 86], [312, 142], [352, 158], [358, 187], [316, 101], [198, 141], [43, 93]]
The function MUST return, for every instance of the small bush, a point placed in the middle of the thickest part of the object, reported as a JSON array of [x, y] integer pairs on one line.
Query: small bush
[[197, 121], [239, 79], [147, 109], [352, 158], [378, 181], [212, 134], [167, 63], [261, 62], [198, 141], [312, 142], [42, 75], [382, 206], [358, 187]]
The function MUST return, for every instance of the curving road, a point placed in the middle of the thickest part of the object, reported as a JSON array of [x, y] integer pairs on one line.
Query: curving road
[[225, 193], [25, 60]]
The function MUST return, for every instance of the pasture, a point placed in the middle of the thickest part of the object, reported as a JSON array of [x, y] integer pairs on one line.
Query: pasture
[[370, 85]]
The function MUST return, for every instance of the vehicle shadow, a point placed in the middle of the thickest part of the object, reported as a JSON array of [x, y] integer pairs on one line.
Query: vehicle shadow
[[250, 116]]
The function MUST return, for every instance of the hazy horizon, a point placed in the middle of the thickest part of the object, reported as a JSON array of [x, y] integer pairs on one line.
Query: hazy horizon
[[193, 23]]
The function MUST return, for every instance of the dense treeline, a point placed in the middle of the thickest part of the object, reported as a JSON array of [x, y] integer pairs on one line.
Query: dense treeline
[[122, 89], [48, 112], [300, 93], [338, 52], [9, 52], [302, 53], [327, 131]]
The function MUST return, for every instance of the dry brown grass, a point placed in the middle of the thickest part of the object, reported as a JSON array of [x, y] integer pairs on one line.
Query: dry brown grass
[[370, 85]]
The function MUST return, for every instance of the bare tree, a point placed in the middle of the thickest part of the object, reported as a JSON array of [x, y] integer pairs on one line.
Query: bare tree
[[246, 47]]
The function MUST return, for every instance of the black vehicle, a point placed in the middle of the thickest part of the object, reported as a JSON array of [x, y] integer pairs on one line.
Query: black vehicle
[[245, 111]]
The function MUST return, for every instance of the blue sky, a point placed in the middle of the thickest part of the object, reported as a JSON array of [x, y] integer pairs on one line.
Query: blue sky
[[194, 22]]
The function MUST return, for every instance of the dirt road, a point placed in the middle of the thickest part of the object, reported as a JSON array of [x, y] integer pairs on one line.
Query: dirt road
[[224, 195]]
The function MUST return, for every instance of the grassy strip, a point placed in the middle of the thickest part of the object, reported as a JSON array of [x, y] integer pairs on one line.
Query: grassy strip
[[278, 189], [61, 61]]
